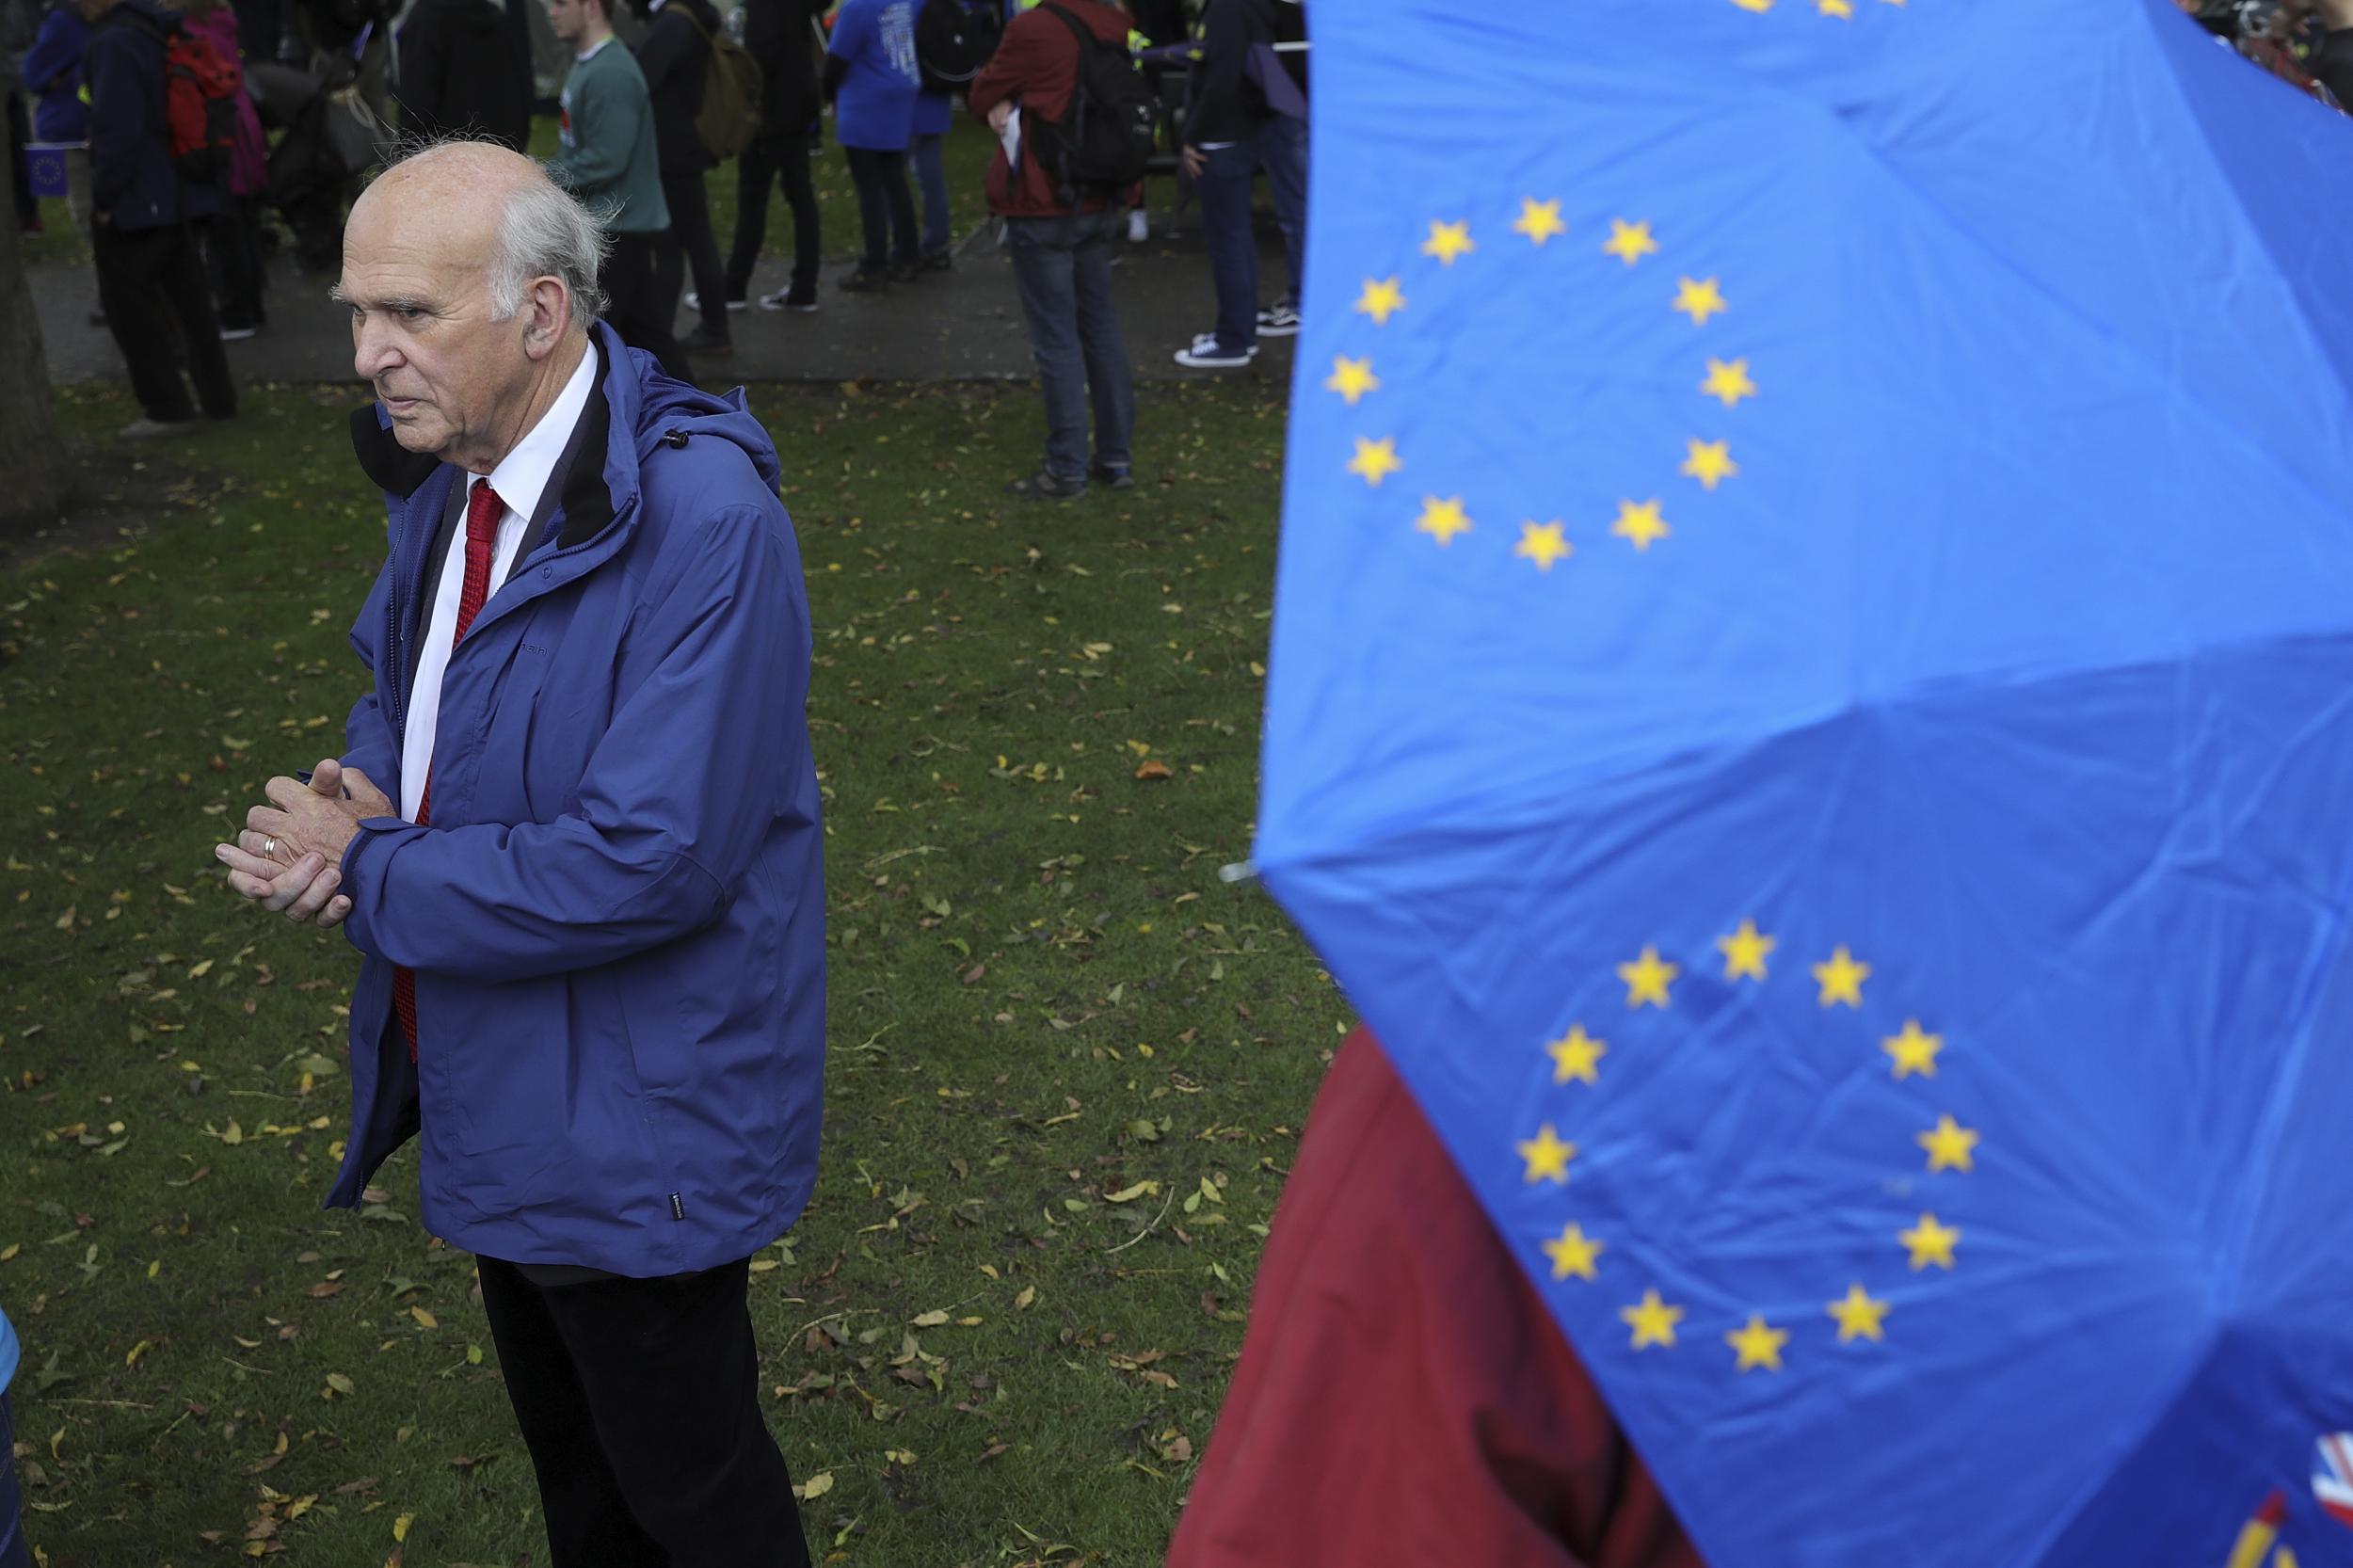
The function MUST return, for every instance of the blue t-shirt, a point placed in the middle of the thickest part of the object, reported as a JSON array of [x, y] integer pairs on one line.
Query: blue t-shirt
[[8, 1353], [933, 113], [875, 39]]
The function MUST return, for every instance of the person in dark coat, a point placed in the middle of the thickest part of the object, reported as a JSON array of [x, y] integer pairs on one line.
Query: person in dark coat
[[781, 37], [675, 55], [460, 76], [151, 274]]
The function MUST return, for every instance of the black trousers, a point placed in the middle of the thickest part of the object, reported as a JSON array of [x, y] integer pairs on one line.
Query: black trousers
[[233, 249], [884, 207], [785, 164], [690, 225], [158, 305], [633, 282], [639, 1401]]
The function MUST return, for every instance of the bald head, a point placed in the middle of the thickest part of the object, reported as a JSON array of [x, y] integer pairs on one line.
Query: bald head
[[472, 279]]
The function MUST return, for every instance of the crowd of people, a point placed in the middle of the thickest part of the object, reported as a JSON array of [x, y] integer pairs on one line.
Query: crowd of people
[[205, 136]]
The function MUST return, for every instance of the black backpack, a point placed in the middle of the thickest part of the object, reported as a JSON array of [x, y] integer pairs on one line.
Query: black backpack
[[1104, 140], [953, 42]]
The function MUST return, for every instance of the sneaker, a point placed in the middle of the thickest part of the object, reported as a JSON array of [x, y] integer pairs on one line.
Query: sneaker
[[694, 302], [863, 281], [785, 300], [1112, 478], [702, 340], [1278, 321], [237, 335], [1046, 485], [1139, 226], [1205, 355], [938, 260], [148, 429]]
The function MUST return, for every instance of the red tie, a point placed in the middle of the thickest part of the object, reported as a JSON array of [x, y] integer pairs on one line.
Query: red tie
[[482, 532]]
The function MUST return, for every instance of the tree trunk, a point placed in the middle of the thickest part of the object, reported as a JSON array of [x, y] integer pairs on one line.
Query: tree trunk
[[28, 434]]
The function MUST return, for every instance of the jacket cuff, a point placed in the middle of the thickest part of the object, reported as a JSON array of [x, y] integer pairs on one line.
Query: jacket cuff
[[362, 848]]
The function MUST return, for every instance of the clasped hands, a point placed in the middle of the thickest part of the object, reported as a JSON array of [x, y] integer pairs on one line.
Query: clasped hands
[[289, 858]]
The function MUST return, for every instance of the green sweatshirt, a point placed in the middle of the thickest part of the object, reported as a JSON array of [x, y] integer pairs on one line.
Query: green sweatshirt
[[607, 155]]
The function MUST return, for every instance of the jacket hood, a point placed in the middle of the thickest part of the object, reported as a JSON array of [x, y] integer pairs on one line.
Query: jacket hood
[[665, 409]]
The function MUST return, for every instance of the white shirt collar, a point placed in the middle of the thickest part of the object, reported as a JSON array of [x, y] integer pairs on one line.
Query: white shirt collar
[[590, 52], [522, 476]]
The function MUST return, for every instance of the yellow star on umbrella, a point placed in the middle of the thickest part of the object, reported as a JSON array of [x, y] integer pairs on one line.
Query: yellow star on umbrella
[[1443, 520], [1647, 979], [1914, 1051], [1382, 299], [1573, 1253], [1709, 462], [1700, 300], [1758, 1344], [1841, 977], [1375, 461], [1859, 1316], [1759, 6], [1630, 242], [1448, 241], [1844, 8], [1539, 220], [1542, 543], [1641, 523], [1652, 1319], [1728, 381], [1576, 1055], [1353, 378], [1930, 1243], [1546, 1156], [1745, 951], [1951, 1146]]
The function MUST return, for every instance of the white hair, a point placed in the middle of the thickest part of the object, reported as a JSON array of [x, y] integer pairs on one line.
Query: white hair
[[546, 233]]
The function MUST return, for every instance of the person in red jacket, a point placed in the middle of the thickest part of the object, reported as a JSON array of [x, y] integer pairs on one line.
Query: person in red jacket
[[1062, 259], [1404, 1398]]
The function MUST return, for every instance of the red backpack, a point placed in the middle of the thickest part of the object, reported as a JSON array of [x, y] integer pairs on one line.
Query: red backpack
[[200, 106]]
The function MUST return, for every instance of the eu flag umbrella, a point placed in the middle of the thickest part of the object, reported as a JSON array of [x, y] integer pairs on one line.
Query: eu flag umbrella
[[1812, 708]]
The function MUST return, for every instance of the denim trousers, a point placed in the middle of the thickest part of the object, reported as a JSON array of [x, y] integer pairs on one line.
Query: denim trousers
[[1282, 146], [931, 177], [1063, 266], [1225, 192], [14, 1552], [884, 209]]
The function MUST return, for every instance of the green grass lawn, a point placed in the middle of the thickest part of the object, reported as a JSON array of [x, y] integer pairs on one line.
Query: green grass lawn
[[1066, 1063]]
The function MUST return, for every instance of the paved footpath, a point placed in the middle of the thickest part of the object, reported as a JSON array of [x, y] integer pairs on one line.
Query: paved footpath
[[962, 325]]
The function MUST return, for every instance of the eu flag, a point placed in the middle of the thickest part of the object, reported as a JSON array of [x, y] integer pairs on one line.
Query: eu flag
[[1812, 709]]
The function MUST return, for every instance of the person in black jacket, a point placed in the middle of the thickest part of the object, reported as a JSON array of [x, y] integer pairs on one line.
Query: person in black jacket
[[1231, 130], [781, 37], [150, 275], [675, 55], [460, 76]]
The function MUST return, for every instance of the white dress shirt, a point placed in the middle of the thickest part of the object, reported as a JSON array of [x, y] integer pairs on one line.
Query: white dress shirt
[[520, 479]]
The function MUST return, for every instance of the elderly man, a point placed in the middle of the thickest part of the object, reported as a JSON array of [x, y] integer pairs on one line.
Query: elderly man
[[575, 839]]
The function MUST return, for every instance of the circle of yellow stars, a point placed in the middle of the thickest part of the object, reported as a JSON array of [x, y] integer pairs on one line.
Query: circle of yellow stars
[[1747, 954], [1544, 544]]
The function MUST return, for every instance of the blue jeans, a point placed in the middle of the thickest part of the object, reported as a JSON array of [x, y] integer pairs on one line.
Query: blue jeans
[[1063, 266], [931, 177], [1282, 144], [1225, 191], [14, 1552]]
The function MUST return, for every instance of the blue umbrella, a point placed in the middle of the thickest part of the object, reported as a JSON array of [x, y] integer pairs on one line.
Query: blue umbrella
[[1812, 708]]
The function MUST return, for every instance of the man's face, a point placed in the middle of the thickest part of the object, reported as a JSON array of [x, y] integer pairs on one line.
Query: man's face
[[416, 277], [571, 19]]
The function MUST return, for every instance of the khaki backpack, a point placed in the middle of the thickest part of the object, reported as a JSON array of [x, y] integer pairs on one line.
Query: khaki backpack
[[731, 112]]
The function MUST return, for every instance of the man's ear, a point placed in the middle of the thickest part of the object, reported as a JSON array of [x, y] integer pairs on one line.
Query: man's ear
[[547, 316]]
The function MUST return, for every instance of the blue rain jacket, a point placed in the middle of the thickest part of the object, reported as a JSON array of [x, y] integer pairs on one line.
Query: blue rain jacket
[[616, 916]]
